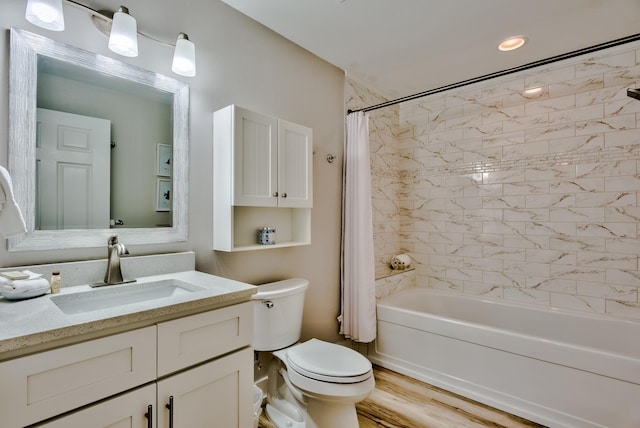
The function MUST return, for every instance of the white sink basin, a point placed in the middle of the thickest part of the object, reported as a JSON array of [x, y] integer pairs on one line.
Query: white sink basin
[[105, 298]]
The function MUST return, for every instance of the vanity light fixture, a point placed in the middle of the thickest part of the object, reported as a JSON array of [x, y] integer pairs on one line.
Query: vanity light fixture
[[184, 57], [121, 28], [512, 43], [123, 38], [46, 14]]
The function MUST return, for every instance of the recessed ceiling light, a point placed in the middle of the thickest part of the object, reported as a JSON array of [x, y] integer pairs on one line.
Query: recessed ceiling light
[[511, 43]]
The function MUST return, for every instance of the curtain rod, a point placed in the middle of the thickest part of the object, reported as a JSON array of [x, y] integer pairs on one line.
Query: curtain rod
[[538, 63]]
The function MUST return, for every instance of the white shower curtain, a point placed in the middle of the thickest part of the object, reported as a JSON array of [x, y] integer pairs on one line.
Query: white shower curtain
[[358, 300]]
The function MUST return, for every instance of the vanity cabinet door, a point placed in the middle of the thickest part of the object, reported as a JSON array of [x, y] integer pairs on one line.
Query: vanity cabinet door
[[125, 411], [47, 384], [197, 338], [215, 394]]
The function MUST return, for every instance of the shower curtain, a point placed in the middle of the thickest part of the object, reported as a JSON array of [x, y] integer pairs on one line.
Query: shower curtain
[[358, 300]]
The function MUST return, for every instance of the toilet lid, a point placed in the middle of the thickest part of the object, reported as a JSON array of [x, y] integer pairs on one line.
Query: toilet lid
[[328, 362]]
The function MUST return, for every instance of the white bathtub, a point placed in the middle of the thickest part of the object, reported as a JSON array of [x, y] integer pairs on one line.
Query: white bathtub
[[560, 369]]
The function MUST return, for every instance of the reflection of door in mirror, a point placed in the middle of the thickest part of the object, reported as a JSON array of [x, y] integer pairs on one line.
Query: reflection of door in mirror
[[72, 171]]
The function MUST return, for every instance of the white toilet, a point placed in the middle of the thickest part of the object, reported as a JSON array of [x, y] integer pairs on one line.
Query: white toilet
[[314, 384]]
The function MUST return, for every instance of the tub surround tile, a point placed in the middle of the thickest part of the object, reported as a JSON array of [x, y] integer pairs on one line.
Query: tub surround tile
[[538, 192], [577, 214], [626, 293], [577, 303], [623, 245], [565, 286], [591, 142], [392, 281], [482, 289], [622, 309], [504, 279], [527, 295], [446, 283]]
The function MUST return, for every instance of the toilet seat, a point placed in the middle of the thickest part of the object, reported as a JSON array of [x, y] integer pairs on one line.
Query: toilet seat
[[328, 362]]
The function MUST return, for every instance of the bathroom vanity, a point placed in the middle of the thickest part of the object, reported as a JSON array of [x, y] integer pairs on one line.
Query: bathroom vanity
[[171, 350]]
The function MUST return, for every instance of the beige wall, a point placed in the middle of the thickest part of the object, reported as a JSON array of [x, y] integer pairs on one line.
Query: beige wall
[[240, 62]]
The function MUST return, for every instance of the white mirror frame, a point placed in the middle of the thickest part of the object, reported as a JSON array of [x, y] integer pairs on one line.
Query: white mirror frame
[[23, 70]]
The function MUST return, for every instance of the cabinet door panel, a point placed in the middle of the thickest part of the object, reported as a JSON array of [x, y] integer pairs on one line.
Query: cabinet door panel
[[40, 386], [216, 394], [255, 161], [198, 338], [125, 411], [295, 165]]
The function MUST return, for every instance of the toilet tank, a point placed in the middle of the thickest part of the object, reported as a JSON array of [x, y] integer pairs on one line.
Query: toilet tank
[[277, 314]]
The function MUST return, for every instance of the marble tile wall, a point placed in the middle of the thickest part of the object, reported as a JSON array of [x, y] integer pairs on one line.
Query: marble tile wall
[[524, 187], [394, 282]]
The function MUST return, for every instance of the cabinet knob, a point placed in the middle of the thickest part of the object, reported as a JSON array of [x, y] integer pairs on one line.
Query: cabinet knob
[[275, 194], [284, 195]]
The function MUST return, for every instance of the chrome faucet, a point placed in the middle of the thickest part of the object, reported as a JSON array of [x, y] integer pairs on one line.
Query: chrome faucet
[[114, 272]]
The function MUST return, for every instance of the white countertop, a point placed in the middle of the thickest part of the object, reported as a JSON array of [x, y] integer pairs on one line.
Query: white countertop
[[37, 324]]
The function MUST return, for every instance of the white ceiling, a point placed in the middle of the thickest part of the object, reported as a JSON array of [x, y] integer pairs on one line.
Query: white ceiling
[[402, 47]]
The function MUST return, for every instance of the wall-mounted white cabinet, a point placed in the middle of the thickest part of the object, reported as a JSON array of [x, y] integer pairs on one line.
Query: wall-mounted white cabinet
[[263, 177]]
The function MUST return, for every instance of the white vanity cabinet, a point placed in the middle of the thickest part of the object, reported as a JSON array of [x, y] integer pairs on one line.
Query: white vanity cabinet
[[126, 411], [209, 395], [197, 370], [263, 177]]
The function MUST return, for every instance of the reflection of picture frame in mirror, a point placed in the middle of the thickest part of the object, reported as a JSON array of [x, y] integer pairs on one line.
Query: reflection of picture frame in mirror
[[163, 194], [164, 160]]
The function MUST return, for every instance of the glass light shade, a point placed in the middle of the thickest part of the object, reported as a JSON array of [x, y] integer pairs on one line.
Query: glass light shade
[[184, 57], [45, 14], [123, 39]]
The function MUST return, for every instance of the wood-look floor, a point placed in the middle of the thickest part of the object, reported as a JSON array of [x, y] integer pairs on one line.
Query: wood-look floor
[[402, 402]]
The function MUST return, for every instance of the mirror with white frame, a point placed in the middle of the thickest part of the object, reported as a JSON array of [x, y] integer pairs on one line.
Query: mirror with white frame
[[34, 59]]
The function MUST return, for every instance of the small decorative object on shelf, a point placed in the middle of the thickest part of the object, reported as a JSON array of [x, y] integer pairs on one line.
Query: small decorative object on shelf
[[400, 262], [267, 236]]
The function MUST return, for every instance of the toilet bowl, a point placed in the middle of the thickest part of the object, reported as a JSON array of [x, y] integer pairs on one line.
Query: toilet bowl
[[314, 384]]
